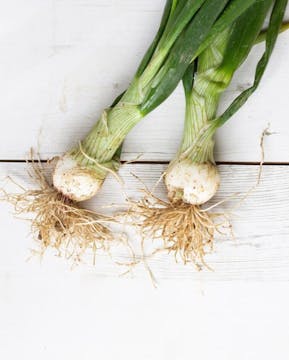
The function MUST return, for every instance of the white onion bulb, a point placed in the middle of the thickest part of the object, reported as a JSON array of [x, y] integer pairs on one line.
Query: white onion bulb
[[192, 183], [73, 181]]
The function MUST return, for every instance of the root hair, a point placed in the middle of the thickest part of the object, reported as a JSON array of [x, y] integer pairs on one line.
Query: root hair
[[186, 230], [60, 223]]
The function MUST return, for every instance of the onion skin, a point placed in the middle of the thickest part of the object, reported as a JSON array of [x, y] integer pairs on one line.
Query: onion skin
[[75, 182], [192, 183]]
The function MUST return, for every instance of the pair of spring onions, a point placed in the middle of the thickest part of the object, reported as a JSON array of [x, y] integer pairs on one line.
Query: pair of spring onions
[[199, 42]]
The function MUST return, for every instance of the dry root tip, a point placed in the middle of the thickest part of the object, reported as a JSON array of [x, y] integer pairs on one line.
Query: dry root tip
[[186, 230], [59, 223]]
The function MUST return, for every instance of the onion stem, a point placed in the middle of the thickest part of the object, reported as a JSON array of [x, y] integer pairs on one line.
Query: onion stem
[[192, 178], [185, 25], [202, 42]]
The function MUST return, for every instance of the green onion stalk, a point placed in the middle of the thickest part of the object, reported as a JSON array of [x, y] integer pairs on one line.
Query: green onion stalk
[[192, 177], [187, 26]]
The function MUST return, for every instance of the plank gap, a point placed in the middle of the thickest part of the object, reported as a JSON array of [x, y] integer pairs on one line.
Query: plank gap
[[146, 162]]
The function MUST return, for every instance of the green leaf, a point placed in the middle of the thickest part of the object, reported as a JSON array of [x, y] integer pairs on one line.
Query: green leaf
[[188, 78], [170, 4], [271, 37], [182, 14], [212, 18], [181, 54], [244, 34], [262, 36], [232, 12], [184, 11]]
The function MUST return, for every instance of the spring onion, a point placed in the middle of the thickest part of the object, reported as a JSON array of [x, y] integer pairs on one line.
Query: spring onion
[[195, 34], [80, 173], [59, 222], [192, 177]]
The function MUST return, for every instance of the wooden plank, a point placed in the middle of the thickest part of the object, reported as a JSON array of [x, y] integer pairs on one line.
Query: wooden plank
[[55, 81], [74, 316], [260, 250]]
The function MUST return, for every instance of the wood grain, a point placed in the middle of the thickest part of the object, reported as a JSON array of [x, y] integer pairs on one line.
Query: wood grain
[[55, 82], [61, 63], [239, 311], [260, 250]]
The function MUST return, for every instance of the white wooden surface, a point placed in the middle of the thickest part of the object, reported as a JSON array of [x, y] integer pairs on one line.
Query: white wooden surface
[[61, 62], [238, 311], [260, 250]]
